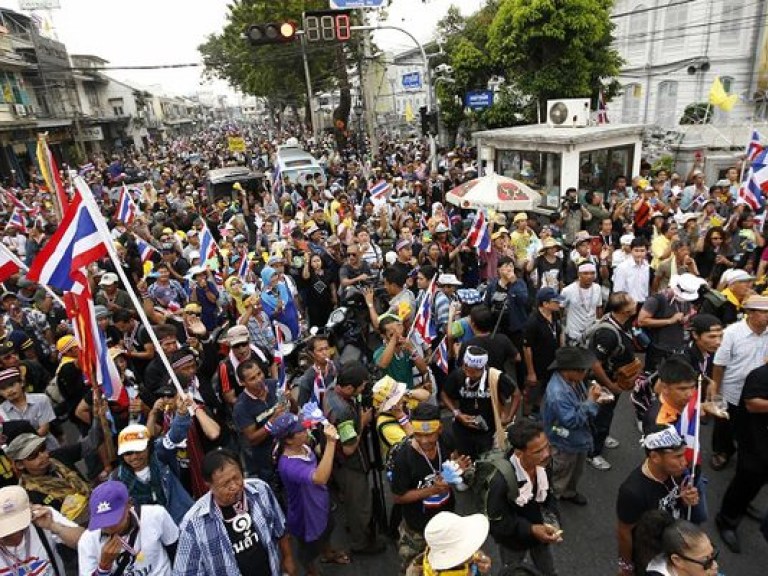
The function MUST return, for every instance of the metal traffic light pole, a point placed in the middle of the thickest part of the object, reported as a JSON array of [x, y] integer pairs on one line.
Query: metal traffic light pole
[[427, 77]]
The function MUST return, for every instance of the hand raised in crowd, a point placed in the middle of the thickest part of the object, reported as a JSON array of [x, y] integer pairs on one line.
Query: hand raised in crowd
[[330, 432], [183, 403], [42, 517], [368, 295]]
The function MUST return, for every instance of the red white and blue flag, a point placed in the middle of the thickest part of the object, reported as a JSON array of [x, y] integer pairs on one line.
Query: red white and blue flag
[[379, 192], [146, 251], [755, 185], [18, 204], [441, 356], [424, 323], [74, 245], [18, 221], [242, 269], [277, 183], [126, 208], [602, 109], [208, 245], [688, 427], [86, 169], [754, 146], [480, 234], [9, 264]]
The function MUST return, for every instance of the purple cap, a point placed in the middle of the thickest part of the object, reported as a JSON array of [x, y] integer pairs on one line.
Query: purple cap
[[286, 425], [107, 505]]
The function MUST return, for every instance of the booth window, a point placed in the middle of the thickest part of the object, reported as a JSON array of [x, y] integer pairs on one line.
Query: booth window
[[539, 170], [666, 103], [599, 168]]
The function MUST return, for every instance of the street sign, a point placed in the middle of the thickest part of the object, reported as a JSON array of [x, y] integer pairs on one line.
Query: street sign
[[345, 4], [412, 81], [236, 144], [479, 99]]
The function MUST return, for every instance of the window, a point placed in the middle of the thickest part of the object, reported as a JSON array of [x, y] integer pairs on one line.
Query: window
[[666, 103], [637, 33], [731, 22], [540, 170], [631, 104], [675, 18], [599, 168]]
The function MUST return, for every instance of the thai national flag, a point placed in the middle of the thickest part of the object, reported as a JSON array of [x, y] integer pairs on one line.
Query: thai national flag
[[423, 222], [126, 209], [75, 244], [146, 251], [423, 323], [242, 270], [17, 220], [279, 360], [688, 426], [379, 192], [754, 147], [277, 183], [480, 235], [18, 204], [441, 356], [754, 186], [86, 169], [9, 264], [208, 245]]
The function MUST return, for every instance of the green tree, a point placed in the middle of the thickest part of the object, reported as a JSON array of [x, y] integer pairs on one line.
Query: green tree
[[276, 72], [555, 48]]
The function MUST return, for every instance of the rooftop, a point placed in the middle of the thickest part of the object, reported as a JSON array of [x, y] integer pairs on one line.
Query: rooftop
[[535, 133]]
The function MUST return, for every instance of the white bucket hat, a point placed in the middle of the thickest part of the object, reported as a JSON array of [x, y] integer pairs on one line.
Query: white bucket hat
[[686, 286], [453, 539]]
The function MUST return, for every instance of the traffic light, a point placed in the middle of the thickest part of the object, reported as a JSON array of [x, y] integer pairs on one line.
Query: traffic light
[[428, 121], [327, 26], [272, 33]]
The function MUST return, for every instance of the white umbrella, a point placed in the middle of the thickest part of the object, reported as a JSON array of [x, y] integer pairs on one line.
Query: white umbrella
[[494, 192]]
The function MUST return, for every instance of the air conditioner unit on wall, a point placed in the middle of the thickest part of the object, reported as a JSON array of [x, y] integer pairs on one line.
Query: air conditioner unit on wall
[[568, 112], [21, 111]]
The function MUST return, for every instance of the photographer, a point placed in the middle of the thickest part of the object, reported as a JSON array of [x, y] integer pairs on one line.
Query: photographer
[[574, 215]]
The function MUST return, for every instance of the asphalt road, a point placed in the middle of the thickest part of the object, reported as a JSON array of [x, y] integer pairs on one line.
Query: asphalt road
[[589, 546]]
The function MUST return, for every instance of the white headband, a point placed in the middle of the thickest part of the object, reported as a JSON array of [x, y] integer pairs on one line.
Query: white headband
[[475, 360], [662, 440], [587, 267]]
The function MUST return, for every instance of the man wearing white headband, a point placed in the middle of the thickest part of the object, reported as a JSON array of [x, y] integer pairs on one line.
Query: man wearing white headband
[[583, 303], [662, 482], [468, 393]]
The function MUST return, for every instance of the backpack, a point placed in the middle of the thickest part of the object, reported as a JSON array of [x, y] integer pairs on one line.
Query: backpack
[[589, 334], [486, 467], [389, 465]]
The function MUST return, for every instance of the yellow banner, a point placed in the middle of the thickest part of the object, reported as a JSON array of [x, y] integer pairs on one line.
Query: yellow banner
[[236, 144]]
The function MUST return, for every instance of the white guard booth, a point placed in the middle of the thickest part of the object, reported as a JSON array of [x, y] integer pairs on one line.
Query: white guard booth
[[552, 159]]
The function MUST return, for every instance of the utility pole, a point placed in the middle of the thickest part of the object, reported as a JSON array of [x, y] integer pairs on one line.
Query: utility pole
[[369, 101], [308, 78]]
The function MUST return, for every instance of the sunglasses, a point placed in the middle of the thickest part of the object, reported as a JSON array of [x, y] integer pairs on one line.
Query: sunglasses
[[707, 563], [241, 345], [192, 313], [36, 453]]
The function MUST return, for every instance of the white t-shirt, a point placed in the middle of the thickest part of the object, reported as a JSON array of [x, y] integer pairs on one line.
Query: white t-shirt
[[37, 562], [157, 529], [581, 306]]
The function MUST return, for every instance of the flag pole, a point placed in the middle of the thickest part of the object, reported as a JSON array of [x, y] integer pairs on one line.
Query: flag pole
[[697, 429], [20, 264], [101, 226]]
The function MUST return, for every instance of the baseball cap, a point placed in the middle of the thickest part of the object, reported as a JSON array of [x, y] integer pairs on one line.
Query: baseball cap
[[403, 243], [108, 279], [107, 504], [738, 275], [286, 425], [14, 507], [25, 444], [132, 438], [238, 335], [704, 323], [547, 294], [101, 311]]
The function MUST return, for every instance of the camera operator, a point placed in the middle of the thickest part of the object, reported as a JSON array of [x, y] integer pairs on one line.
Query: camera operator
[[574, 215], [355, 273]]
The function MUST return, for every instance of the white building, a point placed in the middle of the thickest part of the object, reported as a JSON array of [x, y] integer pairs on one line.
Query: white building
[[675, 49]]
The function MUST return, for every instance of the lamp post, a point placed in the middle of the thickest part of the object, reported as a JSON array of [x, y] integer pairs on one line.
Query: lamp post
[[359, 145]]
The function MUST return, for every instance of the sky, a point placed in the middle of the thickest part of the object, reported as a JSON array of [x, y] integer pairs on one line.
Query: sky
[[152, 32]]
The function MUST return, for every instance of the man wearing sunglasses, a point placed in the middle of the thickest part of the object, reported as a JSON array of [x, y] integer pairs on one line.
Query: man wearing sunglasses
[[240, 350]]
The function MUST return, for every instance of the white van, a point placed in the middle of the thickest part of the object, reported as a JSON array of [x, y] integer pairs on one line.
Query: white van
[[300, 166]]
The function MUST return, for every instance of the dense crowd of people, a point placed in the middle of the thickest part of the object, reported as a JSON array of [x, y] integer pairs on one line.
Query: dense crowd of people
[[456, 373]]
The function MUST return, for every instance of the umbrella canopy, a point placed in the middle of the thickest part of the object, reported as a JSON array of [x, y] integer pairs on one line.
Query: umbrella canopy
[[494, 192]]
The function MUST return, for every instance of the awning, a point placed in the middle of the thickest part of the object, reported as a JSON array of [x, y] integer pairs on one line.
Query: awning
[[54, 123]]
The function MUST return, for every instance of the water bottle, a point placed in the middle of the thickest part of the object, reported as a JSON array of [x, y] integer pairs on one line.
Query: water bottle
[[133, 393], [560, 431]]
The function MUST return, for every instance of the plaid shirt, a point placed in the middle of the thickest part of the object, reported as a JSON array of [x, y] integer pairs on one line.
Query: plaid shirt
[[204, 546]]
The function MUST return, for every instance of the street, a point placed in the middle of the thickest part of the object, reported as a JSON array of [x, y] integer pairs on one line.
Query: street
[[589, 545]]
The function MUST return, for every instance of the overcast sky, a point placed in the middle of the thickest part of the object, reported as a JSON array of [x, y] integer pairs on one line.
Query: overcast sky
[[152, 32]]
